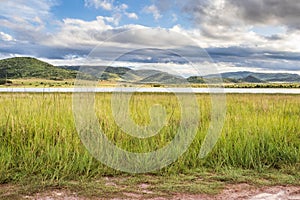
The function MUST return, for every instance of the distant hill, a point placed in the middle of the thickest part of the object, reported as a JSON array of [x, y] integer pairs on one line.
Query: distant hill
[[163, 78], [261, 77], [25, 67], [251, 79], [124, 74]]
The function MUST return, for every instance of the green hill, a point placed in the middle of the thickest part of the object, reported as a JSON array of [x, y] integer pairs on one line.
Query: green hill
[[251, 79], [260, 77], [164, 78], [25, 67]]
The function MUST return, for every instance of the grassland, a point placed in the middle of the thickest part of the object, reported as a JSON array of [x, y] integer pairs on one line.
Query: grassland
[[40, 147], [69, 83]]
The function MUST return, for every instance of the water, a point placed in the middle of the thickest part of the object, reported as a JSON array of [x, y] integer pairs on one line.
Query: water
[[155, 90]]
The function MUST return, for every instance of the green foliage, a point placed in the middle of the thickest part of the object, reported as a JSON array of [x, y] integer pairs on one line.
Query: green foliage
[[196, 79], [4, 81], [24, 67]]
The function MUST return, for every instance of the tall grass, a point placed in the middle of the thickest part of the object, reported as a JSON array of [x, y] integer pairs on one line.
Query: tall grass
[[38, 138]]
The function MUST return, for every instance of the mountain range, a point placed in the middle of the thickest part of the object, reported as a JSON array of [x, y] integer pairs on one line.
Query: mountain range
[[26, 67]]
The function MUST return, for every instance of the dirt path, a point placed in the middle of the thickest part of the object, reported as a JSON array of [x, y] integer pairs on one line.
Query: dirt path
[[231, 192], [244, 191]]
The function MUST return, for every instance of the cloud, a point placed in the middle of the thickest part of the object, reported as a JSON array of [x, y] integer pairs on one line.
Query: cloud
[[152, 9], [80, 37], [104, 4], [232, 13], [26, 19], [20, 13], [115, 19], [225, 23], [77, 33], [174, 17], [223, 28], [6, 37], [132, 15], [118, 11], [272, 12]]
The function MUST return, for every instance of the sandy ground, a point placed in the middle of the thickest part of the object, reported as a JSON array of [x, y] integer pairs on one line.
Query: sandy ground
[[231, 192]]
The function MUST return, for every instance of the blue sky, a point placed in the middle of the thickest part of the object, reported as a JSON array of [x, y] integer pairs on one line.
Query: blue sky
[[236, 35]]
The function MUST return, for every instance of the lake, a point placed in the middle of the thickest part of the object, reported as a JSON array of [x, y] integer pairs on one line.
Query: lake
[[155, 90]]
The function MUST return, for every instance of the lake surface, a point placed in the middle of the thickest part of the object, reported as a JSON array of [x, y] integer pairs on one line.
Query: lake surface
[[155, 90]]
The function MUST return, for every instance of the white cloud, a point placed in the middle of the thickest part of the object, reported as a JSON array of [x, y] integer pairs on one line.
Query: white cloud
[[117, 10], [6, 37], [26, 19], [116, 19], [132, 15], [218, 24], [122, 7], [77, 32], [225, 23], [104, 4], [152, 9], [26, 10]]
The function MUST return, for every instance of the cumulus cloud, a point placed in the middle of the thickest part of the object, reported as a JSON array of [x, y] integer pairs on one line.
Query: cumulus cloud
[[104, 4], [225, 23], [152, 9], [244, 12], [272, 12], [118, 11], [223, 28], [132, 15], [76, 33]]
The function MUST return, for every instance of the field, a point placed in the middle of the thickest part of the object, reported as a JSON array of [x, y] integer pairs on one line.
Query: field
[[69, 83], [40, 147]]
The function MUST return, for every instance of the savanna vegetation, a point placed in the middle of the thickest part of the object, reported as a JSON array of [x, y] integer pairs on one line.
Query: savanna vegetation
[[40, 147], [26, 67]]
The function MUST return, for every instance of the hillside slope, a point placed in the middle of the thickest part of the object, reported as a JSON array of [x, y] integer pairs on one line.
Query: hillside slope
[[25, 67], [264, 77]]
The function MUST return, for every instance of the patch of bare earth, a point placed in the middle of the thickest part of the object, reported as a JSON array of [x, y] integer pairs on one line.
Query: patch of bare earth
[[245, 191], [232, 192]]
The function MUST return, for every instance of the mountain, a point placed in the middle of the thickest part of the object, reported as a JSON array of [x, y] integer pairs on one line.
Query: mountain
[[163, 78], [260, 77], [25, 67], [251, 79], [124, 74], [280, 77]]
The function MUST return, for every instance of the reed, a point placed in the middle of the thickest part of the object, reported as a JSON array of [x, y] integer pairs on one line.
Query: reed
[[38, 138]]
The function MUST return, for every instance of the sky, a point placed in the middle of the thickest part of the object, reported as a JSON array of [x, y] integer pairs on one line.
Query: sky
[[214, 35]]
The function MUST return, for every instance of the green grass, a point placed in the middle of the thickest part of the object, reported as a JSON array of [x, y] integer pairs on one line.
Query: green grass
[[260, 141]]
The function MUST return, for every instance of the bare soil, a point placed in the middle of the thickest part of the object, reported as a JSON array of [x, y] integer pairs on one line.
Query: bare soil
[[230, 192]]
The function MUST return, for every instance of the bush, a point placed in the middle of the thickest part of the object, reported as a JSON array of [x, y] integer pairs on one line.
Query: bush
[[3, 81]]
